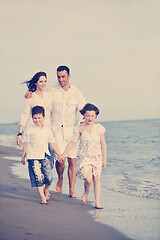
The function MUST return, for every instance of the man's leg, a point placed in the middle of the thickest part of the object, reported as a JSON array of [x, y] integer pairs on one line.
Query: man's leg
[[60, 169], [72, 176]]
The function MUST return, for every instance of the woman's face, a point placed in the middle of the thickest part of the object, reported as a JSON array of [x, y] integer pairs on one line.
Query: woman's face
[[41, 84]]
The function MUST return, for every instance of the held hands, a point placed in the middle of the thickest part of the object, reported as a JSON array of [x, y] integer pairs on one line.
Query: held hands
[[61, 158]]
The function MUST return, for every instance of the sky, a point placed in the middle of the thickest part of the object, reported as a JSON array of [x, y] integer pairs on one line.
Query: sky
[[111, 46]]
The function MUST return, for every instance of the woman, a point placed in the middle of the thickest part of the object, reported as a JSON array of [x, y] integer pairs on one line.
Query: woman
[[36, 85]]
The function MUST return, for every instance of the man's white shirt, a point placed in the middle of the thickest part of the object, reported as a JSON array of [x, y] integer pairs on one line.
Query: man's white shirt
[[65, 109]]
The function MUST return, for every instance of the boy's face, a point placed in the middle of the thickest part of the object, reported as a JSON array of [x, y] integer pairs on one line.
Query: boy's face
[[38, 119]]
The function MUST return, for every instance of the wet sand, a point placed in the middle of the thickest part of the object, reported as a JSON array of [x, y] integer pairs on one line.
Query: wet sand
[[23, 217]]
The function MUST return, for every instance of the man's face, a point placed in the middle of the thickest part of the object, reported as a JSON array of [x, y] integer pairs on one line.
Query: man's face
[[63, 78]]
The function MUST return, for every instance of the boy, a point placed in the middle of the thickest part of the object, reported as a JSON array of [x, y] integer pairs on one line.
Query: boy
[[36, 141]]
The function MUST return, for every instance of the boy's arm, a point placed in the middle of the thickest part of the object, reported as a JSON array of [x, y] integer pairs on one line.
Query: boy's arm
[[25, 146], [55, 148], [104, 150], [68, 148]]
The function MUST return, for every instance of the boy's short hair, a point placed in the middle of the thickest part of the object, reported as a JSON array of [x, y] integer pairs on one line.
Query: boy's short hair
[[62, 68], [89, 107], [38, 110]]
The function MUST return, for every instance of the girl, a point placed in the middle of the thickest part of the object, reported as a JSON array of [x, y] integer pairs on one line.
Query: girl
[[89, 159]]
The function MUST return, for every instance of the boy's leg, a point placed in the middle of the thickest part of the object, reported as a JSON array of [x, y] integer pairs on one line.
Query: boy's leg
[[41, 193], [47, 171], [36, 176], [87, 184], [97, 191]]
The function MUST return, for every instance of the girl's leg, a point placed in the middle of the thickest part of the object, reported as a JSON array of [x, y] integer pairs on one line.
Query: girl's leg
[[87, 184], [97, 191]]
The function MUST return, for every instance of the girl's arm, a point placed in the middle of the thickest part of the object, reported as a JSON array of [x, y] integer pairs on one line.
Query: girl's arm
[[104, 150], [68, 148], [25, 146]]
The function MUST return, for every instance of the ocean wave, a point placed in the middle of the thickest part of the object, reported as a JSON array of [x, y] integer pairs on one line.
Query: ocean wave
[[134, 187]]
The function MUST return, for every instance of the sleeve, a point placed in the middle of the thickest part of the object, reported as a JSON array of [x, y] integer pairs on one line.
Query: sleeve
[[26, 112], [101, 129], [81, 102], [76, 134], [26, 136], [51, 138]]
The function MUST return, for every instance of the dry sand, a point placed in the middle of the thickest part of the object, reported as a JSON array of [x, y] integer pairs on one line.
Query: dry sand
[[23, 217]]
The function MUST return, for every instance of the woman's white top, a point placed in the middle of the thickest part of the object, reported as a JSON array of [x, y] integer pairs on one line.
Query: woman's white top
[[26, 116]]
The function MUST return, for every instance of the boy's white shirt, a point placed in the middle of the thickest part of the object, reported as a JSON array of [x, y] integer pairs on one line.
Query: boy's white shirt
[[38, 139]]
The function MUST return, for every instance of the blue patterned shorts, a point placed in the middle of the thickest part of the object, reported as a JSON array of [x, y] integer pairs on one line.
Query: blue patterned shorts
[[40, 171]]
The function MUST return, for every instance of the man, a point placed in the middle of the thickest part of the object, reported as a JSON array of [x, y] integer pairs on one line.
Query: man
[[67, 101]]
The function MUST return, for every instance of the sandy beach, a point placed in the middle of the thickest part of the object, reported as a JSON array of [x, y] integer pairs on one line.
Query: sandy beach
[[22, 217]]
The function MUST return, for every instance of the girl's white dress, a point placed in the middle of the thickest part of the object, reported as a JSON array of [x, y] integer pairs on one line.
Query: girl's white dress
[[89, 154]]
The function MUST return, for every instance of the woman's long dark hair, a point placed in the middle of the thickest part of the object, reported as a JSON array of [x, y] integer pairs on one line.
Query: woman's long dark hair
[[31, 83]]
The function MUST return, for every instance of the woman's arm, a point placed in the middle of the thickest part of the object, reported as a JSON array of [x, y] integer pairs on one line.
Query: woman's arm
[[25, 146], [104, 150], [23, 120]]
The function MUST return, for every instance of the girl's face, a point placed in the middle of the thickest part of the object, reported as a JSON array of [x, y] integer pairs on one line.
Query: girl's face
[[42, 83], [90, 117]]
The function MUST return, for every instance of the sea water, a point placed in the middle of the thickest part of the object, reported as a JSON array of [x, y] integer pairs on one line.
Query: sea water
[[130, 191]]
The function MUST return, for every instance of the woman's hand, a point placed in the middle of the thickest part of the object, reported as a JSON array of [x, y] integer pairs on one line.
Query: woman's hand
[[28, 95], [19, 140]]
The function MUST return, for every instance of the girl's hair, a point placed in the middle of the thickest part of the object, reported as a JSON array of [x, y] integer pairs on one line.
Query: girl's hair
[[89, 107], [31, 83]]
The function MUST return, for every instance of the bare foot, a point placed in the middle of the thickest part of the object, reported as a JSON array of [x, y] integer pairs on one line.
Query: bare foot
[[73, 195], [84, 198], [59, 186], [48, 196], [98, 206]]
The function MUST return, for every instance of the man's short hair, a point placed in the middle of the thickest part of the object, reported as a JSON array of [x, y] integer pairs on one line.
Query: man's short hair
[[62, 68], [38, 110]]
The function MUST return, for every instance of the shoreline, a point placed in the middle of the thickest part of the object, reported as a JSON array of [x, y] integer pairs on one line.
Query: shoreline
[[22, 217]]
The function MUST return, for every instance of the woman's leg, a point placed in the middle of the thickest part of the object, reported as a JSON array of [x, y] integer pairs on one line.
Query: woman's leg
[[97, 191], [87, 184]]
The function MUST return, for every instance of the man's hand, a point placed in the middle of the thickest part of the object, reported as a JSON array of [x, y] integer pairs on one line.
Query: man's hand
[[19, 141], [28, 95]]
